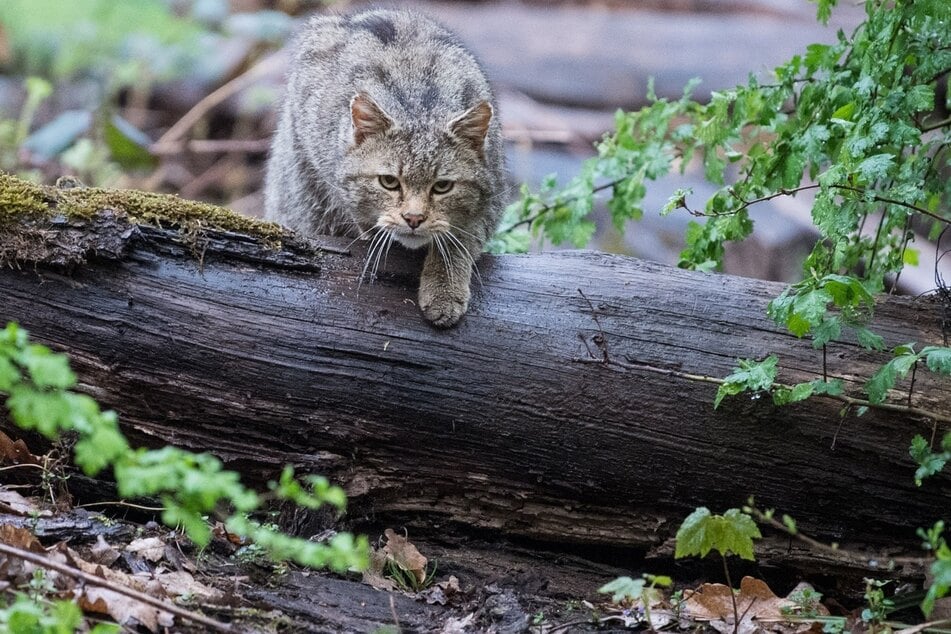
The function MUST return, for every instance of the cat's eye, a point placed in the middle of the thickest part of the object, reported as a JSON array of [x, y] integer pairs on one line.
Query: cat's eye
[[388, 181], [442, 187]]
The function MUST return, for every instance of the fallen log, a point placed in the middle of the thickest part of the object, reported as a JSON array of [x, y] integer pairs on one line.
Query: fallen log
[[573, 404]]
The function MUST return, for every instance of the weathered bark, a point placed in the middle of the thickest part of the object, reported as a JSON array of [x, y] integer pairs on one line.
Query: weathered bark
[[567, 405]]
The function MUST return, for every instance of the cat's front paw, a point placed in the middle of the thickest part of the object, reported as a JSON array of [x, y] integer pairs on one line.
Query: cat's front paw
[[441, 306]]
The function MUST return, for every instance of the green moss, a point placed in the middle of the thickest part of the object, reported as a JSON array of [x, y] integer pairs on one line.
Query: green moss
[[19, 198]]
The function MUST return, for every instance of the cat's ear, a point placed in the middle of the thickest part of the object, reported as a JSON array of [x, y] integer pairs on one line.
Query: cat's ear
[[368, 118], [472, 125]]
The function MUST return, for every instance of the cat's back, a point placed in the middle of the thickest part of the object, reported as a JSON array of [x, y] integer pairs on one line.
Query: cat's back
[[413, 66]]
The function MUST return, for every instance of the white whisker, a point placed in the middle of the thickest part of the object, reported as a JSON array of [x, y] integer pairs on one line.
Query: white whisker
[[457, 243], [446, 261], [377, 241], [379, 253]]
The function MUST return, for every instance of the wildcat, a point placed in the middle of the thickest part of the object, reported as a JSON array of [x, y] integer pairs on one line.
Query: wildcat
[[388, 131]]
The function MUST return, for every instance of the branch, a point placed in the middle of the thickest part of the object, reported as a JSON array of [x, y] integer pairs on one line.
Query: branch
[[555, 205], [168, 140], [745, 203], [849, 400], [93, 580]]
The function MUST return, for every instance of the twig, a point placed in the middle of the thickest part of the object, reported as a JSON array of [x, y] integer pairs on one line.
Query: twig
[[849, 400], [911, 388], [729, 584], [396, 618], [936, 125], [121, 503], [745, 203], [844, 555], [211, 100], [44, 562], [22, 465], [547, 208], [214, 146]]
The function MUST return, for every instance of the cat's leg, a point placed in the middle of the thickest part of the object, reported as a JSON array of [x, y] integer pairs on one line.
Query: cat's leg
[[444, 283]]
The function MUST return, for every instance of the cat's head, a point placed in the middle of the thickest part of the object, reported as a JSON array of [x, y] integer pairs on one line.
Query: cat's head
[[416, 179]]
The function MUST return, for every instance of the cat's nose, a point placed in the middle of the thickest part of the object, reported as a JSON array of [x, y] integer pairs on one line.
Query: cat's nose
[[413, 219]]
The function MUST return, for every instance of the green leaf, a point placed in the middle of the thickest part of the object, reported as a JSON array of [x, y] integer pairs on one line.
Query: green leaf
[[9, 375], [832, 388], [938, 359], [875, 167], [624, 589], [753, 376], [940, 583], [128, 146], [888, 375], [928, 463], [46, 368], [798, 392], [869, 340], [730, 533]]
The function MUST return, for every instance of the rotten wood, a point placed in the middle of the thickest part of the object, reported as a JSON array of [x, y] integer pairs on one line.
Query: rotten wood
[[566, 407]]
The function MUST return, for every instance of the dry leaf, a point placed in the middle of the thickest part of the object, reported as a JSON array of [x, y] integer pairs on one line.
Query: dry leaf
[[103, 553], [171, 584], [404, 554], [20, 538], [14, 451], [15, 504], [441, 592], [458, 625], [176, 584], [755, 601], [150, 548], [124, 610], [373, 575]]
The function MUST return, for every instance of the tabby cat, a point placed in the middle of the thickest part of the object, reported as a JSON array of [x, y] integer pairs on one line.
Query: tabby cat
[[389, 132]]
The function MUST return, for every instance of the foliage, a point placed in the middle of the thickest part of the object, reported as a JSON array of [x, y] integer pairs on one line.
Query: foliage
[[807, 601], [117, 43], [35, 617], [853, 122], [877, 606], [729, 534], [759, 377], [37, 383], [627, 589]]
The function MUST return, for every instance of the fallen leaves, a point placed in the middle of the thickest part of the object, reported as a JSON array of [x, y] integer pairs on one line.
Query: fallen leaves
[[397, 565], [758, 607], [112, 597]]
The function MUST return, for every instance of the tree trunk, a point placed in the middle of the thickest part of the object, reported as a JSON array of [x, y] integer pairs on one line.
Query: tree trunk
[[569, 405]]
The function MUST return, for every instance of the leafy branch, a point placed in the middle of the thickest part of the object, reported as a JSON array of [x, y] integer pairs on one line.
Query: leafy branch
[[191, 486]]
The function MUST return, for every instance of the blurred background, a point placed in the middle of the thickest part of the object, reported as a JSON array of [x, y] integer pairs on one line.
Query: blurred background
[[180, 96]]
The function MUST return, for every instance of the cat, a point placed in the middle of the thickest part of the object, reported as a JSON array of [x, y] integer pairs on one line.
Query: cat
[[389, 131]]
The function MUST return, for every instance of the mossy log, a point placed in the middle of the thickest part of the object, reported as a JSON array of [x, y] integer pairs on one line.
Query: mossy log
[[573, 404]]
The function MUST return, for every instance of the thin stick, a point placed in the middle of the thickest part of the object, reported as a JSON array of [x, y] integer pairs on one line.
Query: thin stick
[[396, 618], [121, 503], [211, 100], [214, 146], [729, 584], [44, 562], [850, 400]]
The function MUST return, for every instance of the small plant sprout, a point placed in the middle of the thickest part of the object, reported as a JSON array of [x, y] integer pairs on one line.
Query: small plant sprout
[[628, 590], [877, 606], [729, 534]]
